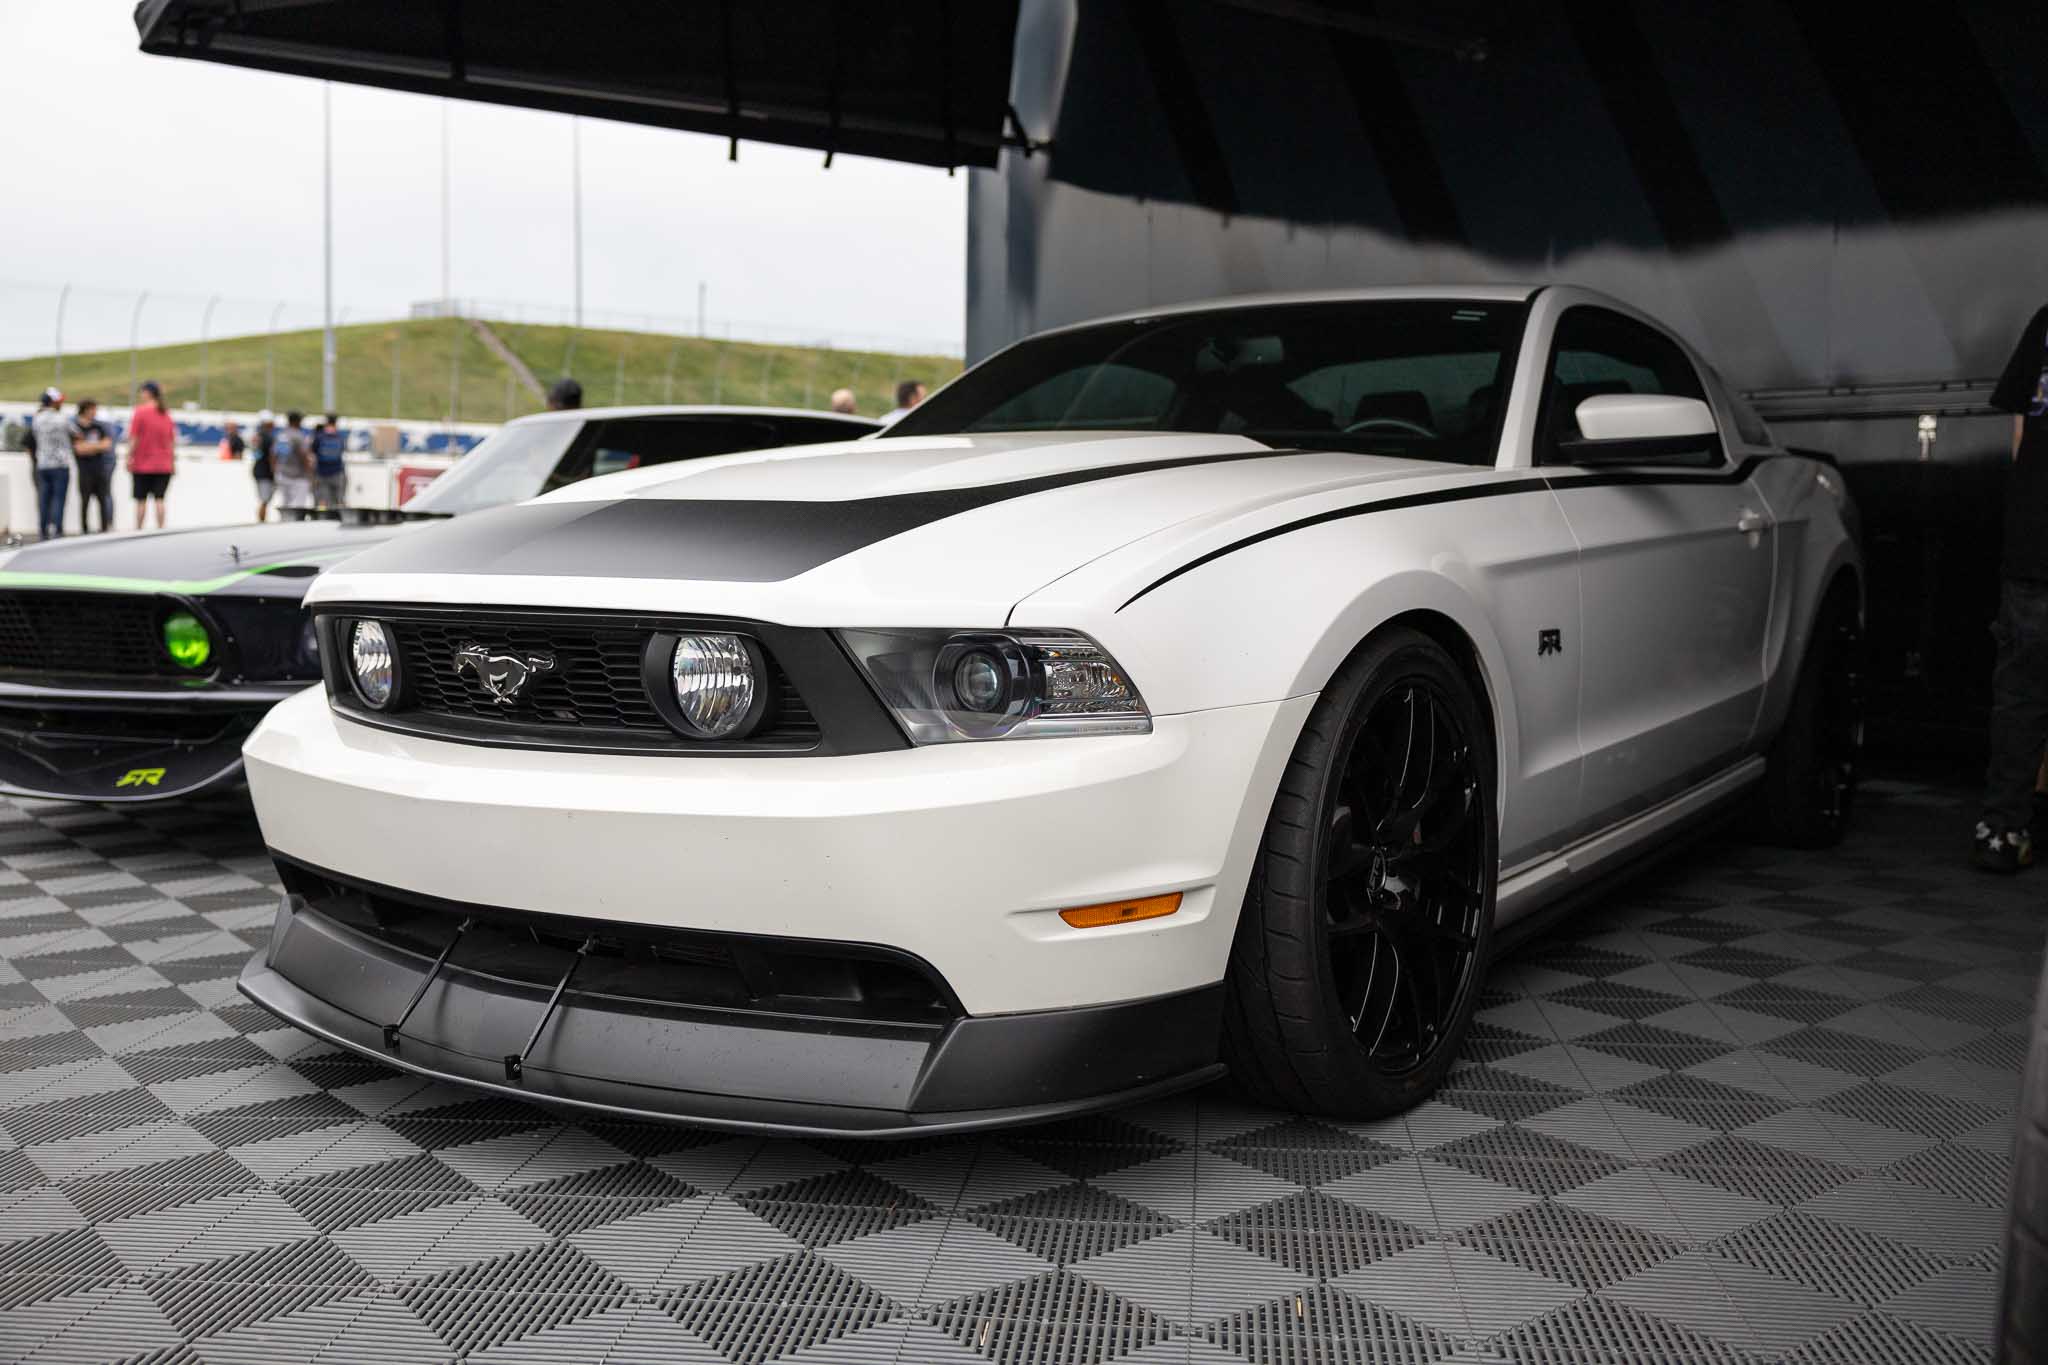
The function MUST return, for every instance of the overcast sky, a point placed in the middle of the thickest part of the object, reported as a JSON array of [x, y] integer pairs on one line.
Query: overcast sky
[[127, 172]]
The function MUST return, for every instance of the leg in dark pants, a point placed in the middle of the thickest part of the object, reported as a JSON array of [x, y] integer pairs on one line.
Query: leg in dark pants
[[95, 488], [2019, 705], [52, 486]]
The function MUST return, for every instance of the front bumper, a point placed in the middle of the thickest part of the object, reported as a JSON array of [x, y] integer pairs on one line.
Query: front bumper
[[961, 855], [724, 1068], [139, 742]]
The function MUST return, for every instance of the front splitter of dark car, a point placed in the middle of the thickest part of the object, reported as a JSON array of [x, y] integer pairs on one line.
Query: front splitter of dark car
[[126, 744], [726, 1069]]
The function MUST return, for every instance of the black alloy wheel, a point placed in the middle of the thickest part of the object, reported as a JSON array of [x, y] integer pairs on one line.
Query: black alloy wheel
[[1366, 928]]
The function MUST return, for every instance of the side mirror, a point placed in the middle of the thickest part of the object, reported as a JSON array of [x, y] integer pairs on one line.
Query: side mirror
[[1644, 428]]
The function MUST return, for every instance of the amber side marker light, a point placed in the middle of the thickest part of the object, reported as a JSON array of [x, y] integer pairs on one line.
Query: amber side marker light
[[1122, 912]]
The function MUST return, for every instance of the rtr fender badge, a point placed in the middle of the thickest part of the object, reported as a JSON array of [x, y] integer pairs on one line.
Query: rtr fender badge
[[141, 777], [502, 676], [1549, 642]]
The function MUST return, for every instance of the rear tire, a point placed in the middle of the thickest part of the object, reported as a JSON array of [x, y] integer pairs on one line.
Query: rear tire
[[1366, 927], [1809, 786], [2023, 1305]]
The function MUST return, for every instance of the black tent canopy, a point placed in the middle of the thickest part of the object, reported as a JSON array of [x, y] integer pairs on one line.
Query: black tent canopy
[[924, 81]]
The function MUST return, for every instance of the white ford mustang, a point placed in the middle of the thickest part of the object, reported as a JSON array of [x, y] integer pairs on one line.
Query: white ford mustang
[[1201, 688]]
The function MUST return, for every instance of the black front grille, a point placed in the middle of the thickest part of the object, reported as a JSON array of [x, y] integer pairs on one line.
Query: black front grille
[[640, 964], [594, 693], [114, 634]]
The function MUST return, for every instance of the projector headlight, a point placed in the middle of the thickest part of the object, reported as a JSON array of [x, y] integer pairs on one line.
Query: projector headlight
[[371, 666], [719, 685], [944, 686]]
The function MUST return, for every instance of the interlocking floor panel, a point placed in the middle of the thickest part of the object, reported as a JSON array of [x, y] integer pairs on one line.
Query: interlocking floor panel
[[1755, 1107]]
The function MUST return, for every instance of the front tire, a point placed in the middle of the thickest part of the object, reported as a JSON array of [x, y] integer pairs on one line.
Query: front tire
[[1357, 959], [2023, 1301]]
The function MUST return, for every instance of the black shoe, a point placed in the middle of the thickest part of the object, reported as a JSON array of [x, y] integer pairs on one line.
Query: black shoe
[[2005, 852]]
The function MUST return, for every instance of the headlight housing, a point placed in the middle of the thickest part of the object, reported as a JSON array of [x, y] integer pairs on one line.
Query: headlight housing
[[372, 664], [947, 686], [187, 640]]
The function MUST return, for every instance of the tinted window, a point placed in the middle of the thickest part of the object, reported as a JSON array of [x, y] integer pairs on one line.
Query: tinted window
[[621, 443], [1421, 379], [1597, 352], [803, 431]]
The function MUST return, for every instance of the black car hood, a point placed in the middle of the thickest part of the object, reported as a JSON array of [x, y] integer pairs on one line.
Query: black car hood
[[274, 559]]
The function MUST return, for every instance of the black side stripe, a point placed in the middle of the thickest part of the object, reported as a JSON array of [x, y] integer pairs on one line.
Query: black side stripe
[[1613, 478]]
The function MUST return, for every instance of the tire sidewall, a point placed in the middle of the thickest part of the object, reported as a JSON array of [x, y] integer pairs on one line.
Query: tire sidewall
[[1402, 656]]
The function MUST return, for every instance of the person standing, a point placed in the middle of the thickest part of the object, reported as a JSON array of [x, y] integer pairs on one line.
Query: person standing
[[291, 460], [908, 395], [330, 473], [2019, 680], [92, 451], [260, 466], [152, 451], [52, 434]]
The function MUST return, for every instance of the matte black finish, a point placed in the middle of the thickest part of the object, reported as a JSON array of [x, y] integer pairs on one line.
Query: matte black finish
[[850, 718], [726, 1070]]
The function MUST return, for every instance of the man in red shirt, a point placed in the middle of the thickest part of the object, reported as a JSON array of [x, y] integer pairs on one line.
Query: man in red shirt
[[152, 441]]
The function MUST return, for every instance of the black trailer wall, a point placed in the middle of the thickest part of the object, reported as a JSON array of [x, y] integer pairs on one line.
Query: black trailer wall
[[1845, 207]]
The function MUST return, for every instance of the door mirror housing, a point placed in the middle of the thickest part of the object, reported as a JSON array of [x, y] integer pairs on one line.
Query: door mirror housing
[[1644, 428]]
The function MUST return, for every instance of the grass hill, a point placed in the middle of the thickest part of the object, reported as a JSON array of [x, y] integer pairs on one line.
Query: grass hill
[[434, 358]]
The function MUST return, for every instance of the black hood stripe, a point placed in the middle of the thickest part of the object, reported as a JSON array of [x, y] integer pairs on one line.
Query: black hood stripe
[[741, 541]]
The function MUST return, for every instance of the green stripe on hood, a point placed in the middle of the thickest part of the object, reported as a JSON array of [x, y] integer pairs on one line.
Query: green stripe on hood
[[185, 587]]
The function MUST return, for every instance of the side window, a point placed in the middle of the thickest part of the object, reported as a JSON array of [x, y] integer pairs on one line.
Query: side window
[[804, 431], [639, 442], [1597, 352]]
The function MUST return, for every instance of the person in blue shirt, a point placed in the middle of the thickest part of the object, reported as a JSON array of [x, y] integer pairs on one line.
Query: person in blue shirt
[[330, 475]]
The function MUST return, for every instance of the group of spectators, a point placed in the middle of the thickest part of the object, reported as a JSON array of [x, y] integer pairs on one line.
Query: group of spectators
[[909, 393], [297, 466], [83, 446]]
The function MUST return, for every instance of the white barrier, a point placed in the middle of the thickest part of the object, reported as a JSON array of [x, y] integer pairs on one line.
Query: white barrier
[[205, 491]]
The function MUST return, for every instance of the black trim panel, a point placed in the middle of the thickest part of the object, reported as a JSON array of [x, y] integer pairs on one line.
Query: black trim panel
[[708, 540]]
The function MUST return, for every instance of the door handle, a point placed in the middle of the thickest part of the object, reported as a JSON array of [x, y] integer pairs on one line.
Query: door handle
[[1751, 521]]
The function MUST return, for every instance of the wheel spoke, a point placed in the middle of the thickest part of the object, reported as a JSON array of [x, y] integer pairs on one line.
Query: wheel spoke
[[1347, 855]]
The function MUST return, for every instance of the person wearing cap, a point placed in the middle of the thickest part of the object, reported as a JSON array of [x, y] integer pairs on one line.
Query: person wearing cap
[[53, 463], [152, 451], [92, 450], [261, 466]]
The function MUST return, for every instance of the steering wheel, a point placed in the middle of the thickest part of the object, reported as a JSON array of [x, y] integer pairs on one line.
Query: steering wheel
[[1401, 424]]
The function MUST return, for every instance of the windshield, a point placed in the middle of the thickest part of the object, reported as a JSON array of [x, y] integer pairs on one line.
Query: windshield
[[1423, 379], [509, 465]]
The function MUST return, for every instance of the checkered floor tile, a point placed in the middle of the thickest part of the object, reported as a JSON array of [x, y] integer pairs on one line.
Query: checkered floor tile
[[1755, 1107]]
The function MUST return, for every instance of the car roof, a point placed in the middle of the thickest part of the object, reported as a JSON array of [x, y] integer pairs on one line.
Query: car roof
[[692, 410]]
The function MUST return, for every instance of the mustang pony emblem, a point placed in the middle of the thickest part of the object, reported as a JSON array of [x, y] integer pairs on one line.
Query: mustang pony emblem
[[503, 676]]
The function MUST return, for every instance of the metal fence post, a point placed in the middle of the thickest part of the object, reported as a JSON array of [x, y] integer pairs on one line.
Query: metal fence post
[[270, 355], [134, 332], [63, 297], [205, 350]]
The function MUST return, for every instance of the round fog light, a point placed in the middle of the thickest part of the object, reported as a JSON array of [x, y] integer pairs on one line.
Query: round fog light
[[370, 665], [186, 640], [716, 684]]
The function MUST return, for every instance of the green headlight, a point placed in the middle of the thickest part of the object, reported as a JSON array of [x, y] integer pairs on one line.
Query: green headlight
[[186, 641]]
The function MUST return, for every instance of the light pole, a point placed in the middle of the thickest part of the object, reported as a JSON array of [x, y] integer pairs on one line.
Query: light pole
[[63, 297], [134, 332], [327, 246], [576, 195], [270, 354], [205, 350], [444, 202]]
